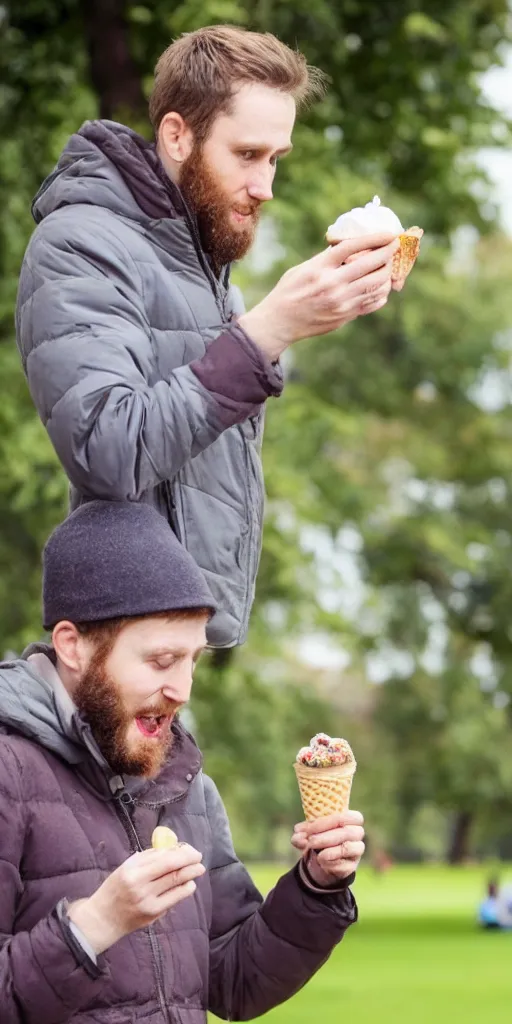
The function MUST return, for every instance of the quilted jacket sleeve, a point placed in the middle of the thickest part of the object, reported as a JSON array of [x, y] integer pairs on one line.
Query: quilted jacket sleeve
[[86, 349], [41, 981], [263, 951]]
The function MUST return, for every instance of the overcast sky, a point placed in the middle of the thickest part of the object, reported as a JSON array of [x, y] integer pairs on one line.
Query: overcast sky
[[498, 87]]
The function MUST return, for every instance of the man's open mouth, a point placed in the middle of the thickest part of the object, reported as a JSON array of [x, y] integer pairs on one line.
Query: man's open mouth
[[152, 725]]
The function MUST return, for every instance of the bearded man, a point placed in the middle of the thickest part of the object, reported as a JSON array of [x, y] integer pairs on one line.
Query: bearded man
[[95, 925], [146, 372]]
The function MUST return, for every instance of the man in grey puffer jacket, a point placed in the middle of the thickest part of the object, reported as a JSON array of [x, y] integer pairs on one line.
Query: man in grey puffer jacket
[[146, 372], [96, 927]]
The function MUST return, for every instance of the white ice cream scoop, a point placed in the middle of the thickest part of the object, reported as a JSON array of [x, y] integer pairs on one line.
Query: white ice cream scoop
[[371, 219]]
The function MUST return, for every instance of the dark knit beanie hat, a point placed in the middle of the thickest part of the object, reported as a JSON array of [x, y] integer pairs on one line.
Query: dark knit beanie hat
[[111, 559]]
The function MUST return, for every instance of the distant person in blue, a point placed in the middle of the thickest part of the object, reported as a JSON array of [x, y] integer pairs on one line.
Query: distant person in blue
[[488, 910], [504, 907]]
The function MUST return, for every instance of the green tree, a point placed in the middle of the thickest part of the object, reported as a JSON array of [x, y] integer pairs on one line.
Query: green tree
[[387, 427]]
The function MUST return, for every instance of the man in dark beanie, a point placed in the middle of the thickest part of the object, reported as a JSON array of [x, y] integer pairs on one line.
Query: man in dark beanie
[[95, 924]]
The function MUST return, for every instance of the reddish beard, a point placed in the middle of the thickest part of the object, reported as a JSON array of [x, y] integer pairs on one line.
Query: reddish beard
[[212, 207], [99, 700]]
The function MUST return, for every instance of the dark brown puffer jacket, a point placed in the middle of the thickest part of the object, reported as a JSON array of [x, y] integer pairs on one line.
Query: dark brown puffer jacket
[[65, 824]]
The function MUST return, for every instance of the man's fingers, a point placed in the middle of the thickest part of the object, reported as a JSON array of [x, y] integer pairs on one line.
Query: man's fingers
[[373, 307], [336, 255], [377, 299], [152, 864], [366, 289], [346, 851], [370, 262], [175, 879], [172, 897], [364, 295], [377, 295], [336, 837], [330, 821]]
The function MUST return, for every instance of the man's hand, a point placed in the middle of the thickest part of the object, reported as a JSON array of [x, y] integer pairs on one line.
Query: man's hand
[[333, 846], [323, 293], [141, 890]]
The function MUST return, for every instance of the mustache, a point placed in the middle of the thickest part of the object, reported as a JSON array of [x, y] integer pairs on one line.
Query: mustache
[[248, 210], [163, 709]]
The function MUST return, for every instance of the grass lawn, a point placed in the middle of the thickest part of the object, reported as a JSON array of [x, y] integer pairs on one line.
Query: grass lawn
[[416, 956]]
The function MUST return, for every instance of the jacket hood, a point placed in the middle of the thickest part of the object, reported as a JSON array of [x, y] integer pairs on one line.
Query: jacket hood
[[34, 703], [108, 165]]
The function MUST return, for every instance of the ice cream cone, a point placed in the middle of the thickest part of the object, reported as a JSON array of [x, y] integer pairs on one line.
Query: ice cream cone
[[374, 219], [405, 257], [324, 790]]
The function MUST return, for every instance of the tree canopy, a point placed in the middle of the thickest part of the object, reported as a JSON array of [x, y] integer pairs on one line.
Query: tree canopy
[[387, 460]]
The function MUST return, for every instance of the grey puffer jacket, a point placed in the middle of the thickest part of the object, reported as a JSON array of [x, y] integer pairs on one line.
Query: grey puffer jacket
[[66, 823], [147, 386]]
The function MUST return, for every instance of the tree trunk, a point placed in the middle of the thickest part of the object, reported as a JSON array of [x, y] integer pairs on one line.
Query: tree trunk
[[113, 72], [459, 847]]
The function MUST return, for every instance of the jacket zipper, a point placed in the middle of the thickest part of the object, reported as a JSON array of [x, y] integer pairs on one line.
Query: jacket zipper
[[125, 801], [250, 535], [171, 504], [214, 284], [221, 306], [254, 489]]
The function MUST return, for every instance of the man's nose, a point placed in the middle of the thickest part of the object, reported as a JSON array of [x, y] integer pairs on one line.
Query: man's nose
[[179, 689], [261, 188]]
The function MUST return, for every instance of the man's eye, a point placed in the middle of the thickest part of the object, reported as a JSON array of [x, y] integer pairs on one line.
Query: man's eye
[[162, 666], [248, 154]]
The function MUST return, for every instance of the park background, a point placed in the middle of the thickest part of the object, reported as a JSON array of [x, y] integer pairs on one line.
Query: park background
[[385, 589]]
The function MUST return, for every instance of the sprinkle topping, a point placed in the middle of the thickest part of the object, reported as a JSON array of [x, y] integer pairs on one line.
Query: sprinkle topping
[[325, 751]]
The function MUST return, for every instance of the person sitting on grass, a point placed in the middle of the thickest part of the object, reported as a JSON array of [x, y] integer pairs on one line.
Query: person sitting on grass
[[488, 909], [94, 923]]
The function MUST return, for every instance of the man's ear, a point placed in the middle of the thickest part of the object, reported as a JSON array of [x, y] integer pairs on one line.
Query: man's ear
[[175, 139], [69, 646]]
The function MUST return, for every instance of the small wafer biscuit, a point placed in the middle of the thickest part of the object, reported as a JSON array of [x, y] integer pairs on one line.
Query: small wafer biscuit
[[164, 838]]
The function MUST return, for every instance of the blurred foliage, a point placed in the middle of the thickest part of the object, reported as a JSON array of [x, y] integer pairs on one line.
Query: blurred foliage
[[387, 459]]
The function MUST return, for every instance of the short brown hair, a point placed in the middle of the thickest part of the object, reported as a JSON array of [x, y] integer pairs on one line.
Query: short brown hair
[[197, 75], [104, 633]]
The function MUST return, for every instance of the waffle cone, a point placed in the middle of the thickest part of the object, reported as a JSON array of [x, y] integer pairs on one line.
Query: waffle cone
[[405, 257], [324, 790]]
